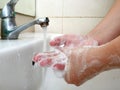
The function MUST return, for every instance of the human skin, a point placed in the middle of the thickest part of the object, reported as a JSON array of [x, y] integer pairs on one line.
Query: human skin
[[97, 59], [84, 62], [109, 28], [63, 45]]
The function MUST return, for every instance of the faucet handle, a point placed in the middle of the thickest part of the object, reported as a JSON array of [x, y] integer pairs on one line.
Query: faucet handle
[[13, 2], [8, 10]]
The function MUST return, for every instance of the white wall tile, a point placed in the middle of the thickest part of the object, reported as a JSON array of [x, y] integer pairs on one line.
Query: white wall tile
[[26, 7], [49, 8], [79, 25], [87, 7], [55, 26], [79, 16]]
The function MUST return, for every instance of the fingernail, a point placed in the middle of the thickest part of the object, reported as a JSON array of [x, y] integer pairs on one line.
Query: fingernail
[[33, 63], [47, 62]]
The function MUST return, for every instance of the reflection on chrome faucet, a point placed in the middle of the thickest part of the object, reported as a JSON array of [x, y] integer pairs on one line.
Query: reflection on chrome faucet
[[9, 29]]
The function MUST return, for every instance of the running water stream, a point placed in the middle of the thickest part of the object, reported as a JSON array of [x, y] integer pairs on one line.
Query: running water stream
[[44, 70], [49, 78], [44, 39]]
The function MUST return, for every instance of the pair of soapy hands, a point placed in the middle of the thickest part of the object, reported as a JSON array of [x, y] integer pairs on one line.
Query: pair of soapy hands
[[66, 57]]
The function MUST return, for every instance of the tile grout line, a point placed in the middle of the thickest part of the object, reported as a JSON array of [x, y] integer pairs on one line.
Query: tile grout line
[[75, 16]]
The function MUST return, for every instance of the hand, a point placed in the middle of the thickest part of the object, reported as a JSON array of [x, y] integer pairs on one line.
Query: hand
[[72, 41], [83, 64], [79, 64], [63, 61], [55, 59], [67, 41]]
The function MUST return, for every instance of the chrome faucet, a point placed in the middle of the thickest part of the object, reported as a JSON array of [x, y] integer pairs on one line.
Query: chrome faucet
[[9, 29]]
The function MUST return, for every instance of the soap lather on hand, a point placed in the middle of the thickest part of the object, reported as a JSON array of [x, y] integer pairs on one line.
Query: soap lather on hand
[[64, 45], [58, 58]]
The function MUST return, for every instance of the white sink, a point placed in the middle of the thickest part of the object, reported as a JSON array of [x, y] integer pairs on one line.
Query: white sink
[[18, 73], [16, 69]]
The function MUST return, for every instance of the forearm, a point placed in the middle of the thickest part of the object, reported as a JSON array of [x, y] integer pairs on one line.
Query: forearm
[[109, 27], [108, 54], [86, 62], [114, 53]]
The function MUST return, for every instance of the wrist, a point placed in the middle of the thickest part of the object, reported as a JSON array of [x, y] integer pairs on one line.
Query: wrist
[[94, 37], [98, 57], [89, 41], [107, 55]]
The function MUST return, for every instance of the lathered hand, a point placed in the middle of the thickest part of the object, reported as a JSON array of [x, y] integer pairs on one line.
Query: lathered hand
[[72, 40], [70, 58], [57, 58], [54, 59]]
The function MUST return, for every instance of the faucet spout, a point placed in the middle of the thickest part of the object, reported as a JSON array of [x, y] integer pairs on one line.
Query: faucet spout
[[43, 22]]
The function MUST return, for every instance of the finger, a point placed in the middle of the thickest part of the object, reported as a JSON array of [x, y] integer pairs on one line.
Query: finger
[[37, 57], [41, 56], [59, 66], [62, 40], [46, 62], [57, 41], [56, 61]]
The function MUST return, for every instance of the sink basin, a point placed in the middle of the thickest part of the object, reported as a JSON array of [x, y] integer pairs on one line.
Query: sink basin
[[16, 69], [18, 73]]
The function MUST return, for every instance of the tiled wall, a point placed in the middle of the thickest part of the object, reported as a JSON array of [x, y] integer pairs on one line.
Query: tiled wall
[[72, 16]]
